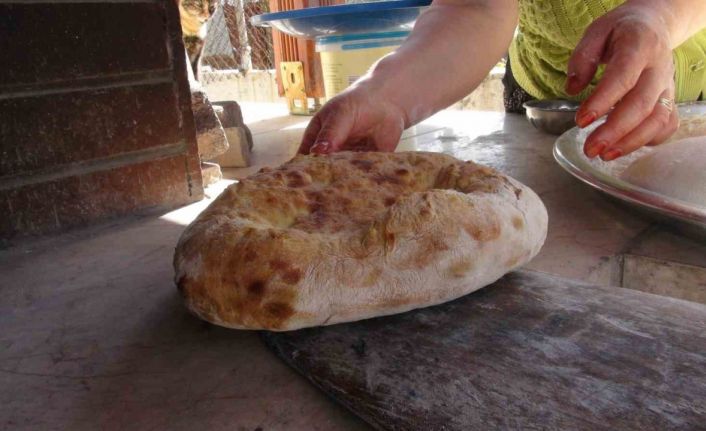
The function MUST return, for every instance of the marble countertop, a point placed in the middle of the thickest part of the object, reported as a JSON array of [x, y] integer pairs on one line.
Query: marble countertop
[[94, 335]]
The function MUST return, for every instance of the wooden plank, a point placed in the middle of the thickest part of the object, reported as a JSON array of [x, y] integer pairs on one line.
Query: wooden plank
[[531, 351]]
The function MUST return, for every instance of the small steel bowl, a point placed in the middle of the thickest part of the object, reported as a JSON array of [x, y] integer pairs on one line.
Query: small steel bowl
[[552, 116]]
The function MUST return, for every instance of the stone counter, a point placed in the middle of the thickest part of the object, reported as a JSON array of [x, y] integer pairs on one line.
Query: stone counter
[[94, 335], [591, 238]]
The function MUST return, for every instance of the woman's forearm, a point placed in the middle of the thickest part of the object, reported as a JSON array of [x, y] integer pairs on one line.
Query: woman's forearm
[[683, 18], [453, 46]]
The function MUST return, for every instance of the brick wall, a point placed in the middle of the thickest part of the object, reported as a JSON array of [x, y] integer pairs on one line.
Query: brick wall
[[95, 115]]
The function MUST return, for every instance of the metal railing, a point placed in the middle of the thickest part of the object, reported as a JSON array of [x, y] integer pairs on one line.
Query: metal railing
[[233, 44]]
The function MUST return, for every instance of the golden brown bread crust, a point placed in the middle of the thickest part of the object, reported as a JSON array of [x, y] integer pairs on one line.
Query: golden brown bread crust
[[326, 239]]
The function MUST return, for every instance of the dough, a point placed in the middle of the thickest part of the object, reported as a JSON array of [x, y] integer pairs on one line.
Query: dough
[[329, 239], [676, 169]]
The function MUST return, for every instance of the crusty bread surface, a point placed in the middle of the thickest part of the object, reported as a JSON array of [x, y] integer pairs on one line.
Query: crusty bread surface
[[328, 239]]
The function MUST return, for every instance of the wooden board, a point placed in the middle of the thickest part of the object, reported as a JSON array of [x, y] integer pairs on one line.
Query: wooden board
[[531, 351]]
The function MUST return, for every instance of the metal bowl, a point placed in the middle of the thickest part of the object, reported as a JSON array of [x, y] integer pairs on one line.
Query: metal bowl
[[552, 116]]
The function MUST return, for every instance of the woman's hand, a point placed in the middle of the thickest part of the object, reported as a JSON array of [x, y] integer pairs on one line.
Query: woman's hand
[[633, 41], [440, 62], [354, 120]]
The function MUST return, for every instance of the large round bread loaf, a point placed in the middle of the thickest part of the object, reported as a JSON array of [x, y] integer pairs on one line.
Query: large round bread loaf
[[329, 239]]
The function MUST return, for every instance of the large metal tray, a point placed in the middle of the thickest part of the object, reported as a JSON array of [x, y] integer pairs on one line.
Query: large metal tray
[[605, 176]]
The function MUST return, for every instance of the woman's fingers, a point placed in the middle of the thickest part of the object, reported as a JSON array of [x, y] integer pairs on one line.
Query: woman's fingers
[[629, 113], [622, 73], [638, 74], [310, 134], [659, 122], [328, 130], [388, 133], [383, 136], [673, 123], [354, 120], [587, 55], [668, 131], [332, 134]]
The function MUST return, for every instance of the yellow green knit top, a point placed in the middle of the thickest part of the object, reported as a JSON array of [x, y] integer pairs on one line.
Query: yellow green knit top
[[550, 29]]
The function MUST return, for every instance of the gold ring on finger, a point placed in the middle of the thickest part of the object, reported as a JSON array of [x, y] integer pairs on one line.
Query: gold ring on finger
[[667, 103]]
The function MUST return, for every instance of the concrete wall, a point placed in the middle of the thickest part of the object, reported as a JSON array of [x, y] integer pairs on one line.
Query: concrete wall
[[260, 86], [255, 86]]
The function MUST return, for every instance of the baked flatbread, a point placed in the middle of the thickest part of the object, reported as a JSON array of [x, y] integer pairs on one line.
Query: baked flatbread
[[329, 239]]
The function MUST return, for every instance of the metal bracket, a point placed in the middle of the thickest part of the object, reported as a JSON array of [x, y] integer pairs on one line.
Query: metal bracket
[[292, 73]]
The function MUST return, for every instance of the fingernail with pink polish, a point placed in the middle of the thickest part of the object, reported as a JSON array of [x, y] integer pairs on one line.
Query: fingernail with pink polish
[[611, 154], [596, 149], [586, 119], [320, 147]]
